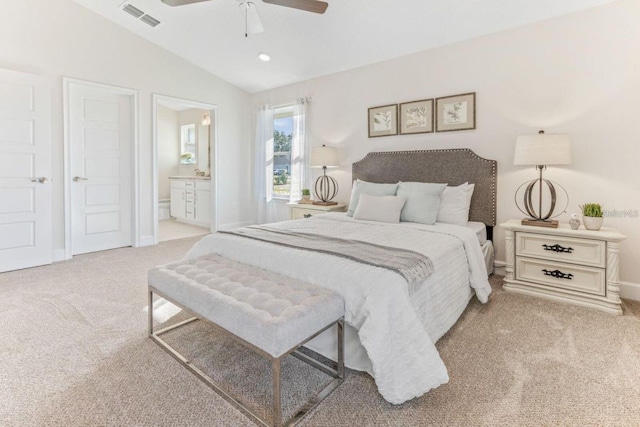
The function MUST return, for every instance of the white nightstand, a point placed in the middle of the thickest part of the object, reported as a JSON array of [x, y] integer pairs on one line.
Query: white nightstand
[[299, 210], [574, 266]]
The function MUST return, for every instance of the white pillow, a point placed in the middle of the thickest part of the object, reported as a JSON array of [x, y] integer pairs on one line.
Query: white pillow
[[423, 201], [455, 203], [379, 208], [371, 188]]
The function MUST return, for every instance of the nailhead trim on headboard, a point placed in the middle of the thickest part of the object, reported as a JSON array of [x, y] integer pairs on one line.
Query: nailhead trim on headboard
[[452, 166]]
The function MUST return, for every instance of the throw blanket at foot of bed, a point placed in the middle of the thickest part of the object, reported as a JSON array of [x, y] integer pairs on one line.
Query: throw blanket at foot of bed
[[411, 265]]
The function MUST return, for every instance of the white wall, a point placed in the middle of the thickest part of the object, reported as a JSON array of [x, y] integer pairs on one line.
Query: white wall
[[168, 149], [578, 74], [56, 38]]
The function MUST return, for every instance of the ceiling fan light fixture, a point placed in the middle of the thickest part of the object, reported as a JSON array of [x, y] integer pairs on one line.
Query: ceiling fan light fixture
[[250, 17], [264, 57]]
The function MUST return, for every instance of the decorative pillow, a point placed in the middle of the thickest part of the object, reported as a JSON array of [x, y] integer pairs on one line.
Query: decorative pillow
[[423, 201], [379, 208], [455, 203], [370, 188]]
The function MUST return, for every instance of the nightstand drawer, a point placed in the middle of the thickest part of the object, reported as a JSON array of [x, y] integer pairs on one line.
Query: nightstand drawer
[[560, 275], [299, 213], [565, 249]]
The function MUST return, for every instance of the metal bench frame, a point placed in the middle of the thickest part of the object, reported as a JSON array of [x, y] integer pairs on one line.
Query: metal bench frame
[[338, 374]]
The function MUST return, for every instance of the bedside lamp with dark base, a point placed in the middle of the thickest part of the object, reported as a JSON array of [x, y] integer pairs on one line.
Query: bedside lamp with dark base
[[326, 187], [541, 150]]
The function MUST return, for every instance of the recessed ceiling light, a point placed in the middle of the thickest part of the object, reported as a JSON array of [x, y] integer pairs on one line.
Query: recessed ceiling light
[[264, 57]]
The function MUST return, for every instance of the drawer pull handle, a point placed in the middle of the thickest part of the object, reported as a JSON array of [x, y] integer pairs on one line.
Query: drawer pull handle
[[557, 274], [307, 215], [557, 248]]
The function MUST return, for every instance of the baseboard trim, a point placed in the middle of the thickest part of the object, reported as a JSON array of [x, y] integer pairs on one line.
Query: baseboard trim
[[235, 225], [58, 255], [498, 267], [630, 291], [146, 241]]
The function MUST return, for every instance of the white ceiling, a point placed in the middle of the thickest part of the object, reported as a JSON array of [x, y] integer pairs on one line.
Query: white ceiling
[[304, 45]]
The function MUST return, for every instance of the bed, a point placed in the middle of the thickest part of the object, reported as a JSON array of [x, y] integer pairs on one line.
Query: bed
[[392, 326]]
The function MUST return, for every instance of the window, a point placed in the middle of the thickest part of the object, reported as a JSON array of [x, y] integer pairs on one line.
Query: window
[[188, 144], [282, 137]]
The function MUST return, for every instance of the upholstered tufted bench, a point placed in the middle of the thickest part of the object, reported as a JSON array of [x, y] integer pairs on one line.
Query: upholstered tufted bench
[[271, 314]]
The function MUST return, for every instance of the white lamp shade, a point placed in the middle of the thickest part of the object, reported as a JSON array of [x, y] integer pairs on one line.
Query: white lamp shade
[[543, 149], [324, 156]]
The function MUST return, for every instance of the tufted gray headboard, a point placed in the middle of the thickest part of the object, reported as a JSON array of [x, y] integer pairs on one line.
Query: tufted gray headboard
[[454, 167]]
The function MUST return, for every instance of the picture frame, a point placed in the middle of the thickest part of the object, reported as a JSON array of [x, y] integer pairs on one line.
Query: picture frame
[[456, 112], [416, 117], [383, 120]]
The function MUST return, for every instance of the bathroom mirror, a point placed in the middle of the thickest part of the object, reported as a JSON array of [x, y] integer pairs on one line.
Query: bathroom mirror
[[204, 143], [188, 144]]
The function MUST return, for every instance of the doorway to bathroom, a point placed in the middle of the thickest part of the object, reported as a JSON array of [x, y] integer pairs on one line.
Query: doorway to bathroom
[[184, 168]]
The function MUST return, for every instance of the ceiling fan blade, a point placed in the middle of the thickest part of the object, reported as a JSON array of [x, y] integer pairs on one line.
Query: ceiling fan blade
[[250, 17], [181, 2], [314, 6]]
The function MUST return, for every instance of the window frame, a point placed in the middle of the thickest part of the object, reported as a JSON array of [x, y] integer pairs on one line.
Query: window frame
[[281, 112]]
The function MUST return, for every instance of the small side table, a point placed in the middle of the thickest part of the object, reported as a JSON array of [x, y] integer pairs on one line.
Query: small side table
[[300, 210], [578, 267]]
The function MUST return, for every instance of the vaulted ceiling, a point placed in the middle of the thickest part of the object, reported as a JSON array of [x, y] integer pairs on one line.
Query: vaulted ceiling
[[304, 45]]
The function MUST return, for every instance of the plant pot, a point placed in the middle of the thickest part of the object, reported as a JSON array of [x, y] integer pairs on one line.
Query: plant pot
[[306, 197], [592, 223]]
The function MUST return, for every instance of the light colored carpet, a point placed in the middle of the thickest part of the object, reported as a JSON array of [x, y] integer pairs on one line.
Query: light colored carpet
[[74, 352], [170, 229]]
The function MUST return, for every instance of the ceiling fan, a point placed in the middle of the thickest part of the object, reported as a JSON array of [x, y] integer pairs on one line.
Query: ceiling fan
[[250, 14], [314, 6]]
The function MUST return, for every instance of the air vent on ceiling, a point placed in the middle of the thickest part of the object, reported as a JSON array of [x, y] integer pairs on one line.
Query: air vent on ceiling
[[132, 10], [138, 14], [148, 19]]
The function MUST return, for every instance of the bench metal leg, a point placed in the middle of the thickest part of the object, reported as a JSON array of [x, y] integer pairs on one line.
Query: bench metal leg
[[341, 349], [150, 312], [277, 401], [276, 366]]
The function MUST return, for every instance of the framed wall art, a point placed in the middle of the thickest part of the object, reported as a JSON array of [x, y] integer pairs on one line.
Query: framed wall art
[[416, 117], [383, 120], [456, 112]]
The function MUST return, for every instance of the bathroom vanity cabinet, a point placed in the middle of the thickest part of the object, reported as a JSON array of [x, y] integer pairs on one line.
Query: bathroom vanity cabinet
[[191, 200]]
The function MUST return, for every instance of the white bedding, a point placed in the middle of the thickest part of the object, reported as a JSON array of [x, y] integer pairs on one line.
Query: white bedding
[[480, 229], [397, 329]]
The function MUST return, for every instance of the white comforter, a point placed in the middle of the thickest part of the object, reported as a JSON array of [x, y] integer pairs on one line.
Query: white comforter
[[405, 361]]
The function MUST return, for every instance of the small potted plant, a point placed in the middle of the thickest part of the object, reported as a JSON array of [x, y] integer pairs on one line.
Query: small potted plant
[[306, 194], [592, 216]]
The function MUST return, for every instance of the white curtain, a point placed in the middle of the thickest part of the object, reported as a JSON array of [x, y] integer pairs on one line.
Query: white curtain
[[263, 171], [300, 172]]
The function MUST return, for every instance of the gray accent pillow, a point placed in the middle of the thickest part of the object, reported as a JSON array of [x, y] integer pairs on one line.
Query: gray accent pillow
[[423, 201], [370, 188]]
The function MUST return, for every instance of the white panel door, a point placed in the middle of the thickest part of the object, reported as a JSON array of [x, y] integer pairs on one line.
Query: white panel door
[[100, 138], [25, 169]]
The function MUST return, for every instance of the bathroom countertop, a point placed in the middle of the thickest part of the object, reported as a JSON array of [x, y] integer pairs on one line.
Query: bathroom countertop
[[205, 178]]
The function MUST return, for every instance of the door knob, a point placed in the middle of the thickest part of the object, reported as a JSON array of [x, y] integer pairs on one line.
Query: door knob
[[41, 180], [79, 178]]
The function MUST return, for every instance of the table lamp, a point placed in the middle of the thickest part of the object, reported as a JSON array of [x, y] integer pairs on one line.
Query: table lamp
[[541, 150], [326, 187]]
